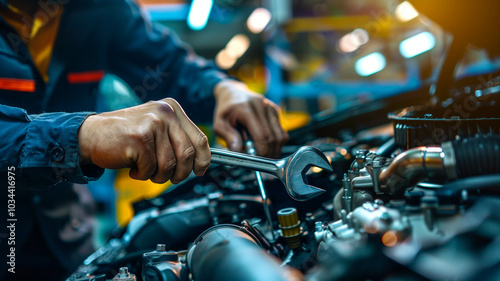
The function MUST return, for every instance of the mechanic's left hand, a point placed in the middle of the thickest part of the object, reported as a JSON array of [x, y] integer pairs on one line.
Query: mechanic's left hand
[[235, 103]]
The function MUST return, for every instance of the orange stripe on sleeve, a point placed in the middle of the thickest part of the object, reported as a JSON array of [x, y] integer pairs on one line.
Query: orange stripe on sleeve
[[21, 85], [85, 77]]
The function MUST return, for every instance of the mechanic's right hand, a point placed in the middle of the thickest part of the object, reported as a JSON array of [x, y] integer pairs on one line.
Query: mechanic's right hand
[[157, 140]]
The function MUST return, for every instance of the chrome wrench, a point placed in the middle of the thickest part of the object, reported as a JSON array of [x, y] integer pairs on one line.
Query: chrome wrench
[[290, 170]]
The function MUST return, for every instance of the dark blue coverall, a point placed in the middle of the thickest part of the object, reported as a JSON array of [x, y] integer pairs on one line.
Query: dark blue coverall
[[38, 129]]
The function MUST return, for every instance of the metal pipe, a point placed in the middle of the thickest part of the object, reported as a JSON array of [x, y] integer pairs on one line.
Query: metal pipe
[[410, 167], [460, 158], [265, 203]]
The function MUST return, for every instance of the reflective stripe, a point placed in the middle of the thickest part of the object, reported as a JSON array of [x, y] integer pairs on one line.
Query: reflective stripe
[[85, 77], [21, 85]]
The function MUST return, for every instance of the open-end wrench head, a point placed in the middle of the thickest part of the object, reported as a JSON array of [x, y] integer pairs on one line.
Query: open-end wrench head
[[297, 165]]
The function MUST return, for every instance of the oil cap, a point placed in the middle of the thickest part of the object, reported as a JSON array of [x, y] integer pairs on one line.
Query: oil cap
[[289, 224]]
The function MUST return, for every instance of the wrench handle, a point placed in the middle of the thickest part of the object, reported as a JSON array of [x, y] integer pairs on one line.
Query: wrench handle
[[241, 160]]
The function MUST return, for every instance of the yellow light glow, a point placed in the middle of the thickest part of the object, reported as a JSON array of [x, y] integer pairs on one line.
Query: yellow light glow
[[238, 45], [343, 151], [316, 169], [405, 11], [258, 20], [224, 60], [390, 239]]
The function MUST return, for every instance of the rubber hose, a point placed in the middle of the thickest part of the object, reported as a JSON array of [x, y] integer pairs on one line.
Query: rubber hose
[[387, 148], [229, 252], [480, 182], [479, 155]]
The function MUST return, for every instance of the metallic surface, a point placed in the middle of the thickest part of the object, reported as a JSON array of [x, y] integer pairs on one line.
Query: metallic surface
[[449, 160], [252, 151], [290, 170], [290, 226], [347, 198], [124, 275], [410, 167]]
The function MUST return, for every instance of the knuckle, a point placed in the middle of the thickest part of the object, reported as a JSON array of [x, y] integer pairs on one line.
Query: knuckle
[[164, 108], [169, 165], [165, 170], [153, 119], [202, 140], [188, 154], [143, 136]]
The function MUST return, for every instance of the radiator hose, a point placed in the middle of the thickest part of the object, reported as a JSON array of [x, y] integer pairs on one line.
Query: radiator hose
[[460, 158]]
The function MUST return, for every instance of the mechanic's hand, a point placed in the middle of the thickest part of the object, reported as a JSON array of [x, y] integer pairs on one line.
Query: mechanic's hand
[[237, 104], [157, 140]]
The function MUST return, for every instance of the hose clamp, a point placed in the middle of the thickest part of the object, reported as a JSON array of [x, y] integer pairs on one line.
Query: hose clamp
[[449, 161]]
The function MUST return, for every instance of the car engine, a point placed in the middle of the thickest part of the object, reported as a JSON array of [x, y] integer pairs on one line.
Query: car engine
[[413, 195], [413, 200]]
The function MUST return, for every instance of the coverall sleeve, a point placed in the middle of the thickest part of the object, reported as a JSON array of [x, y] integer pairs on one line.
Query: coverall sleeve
[[153, 61], [43, 148]]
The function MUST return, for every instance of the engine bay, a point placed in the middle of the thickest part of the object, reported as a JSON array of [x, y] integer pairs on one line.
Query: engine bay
[[413, 200]]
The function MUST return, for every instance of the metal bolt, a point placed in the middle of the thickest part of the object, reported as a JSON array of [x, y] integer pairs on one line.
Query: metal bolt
[[124, 272], [319, 226], [124, 275], [429, 205], [160, 248], [343, 216]]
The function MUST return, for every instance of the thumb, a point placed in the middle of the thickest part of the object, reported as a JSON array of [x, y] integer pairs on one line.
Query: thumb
[[230, 135]]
